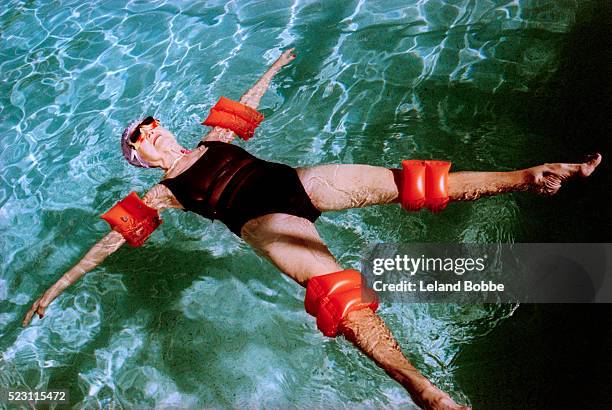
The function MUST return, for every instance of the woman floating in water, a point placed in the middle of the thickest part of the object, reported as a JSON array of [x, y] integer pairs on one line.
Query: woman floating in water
[[273, 207]]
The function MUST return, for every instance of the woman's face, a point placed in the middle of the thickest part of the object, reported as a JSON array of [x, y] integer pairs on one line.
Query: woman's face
[[155, 144]]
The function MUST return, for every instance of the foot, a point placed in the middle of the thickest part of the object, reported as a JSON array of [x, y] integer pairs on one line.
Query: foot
[[435, 399], [547, 179]]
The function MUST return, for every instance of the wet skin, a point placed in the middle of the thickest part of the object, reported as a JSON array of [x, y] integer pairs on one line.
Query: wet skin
[[293, 244]]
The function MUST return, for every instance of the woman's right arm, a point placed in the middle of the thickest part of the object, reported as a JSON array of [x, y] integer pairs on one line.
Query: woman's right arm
[[158, 197], [109, 244]]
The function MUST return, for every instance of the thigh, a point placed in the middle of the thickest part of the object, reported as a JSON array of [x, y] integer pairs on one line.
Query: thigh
[[292, 244], [336, 187]]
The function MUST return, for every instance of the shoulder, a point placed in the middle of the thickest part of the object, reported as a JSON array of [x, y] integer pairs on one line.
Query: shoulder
[[160, 197]]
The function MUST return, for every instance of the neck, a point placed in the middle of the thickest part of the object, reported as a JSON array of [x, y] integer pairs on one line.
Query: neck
[[173, 159]]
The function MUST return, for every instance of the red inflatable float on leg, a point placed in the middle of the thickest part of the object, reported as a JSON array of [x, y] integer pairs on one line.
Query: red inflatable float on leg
[[333, 296], [424, 183]]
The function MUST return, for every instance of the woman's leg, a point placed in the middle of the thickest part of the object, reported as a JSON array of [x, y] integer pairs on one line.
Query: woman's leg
[[294, 246], [337, 187]]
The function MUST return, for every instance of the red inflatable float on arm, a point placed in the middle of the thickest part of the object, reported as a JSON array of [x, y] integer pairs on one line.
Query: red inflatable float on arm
[[234, 116], [133, 219]]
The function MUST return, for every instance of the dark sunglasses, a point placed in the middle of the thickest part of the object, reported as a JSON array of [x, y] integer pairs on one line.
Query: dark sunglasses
[[147, 121]]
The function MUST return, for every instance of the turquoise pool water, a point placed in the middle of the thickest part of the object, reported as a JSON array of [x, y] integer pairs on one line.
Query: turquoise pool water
[[194, 318]]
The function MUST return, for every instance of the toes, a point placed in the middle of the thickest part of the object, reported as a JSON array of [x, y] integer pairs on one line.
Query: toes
[[588, 167], [548, 178]]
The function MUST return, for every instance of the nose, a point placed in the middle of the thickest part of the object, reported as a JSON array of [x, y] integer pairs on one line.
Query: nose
[[151, 135]]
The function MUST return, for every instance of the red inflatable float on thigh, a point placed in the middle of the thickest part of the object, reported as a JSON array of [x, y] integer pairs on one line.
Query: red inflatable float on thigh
[[234, 116], [331, 297], [425, 183]]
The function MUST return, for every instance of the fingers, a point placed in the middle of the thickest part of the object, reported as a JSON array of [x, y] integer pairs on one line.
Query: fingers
[[31, 312], [287, 56], [37, 308], [28, 317]]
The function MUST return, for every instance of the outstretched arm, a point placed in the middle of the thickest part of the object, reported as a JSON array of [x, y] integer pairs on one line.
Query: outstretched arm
[[156, 198], [252, 97], [109, 244]]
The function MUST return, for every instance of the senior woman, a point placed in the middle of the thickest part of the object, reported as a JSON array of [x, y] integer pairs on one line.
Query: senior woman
[[273, 208]]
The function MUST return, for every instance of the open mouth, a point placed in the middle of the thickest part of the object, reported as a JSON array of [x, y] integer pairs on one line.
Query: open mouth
[[155, 139]]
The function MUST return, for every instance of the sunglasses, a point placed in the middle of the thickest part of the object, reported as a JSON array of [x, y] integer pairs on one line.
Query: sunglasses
[[147, 121]]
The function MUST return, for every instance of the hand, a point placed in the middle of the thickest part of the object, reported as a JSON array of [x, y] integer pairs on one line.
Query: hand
[[38, 307], [285, 58]]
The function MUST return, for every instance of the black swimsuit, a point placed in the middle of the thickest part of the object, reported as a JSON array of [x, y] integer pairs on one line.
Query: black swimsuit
[[229, 184]]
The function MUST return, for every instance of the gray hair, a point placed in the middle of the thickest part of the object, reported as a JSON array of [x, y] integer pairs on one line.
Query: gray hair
[[130, 154]]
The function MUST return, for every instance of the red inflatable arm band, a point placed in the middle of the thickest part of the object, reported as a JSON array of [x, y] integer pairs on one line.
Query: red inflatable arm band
[[425, 183], [436, 185], [413, 185], [320, 286], [133, 219], [234, 116], [335, 307], [331, 297]]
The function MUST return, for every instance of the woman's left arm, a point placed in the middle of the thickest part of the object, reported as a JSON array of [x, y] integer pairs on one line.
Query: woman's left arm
[[252, 97]]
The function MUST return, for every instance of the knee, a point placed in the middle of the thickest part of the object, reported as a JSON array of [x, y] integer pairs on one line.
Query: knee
[[331, 297]]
